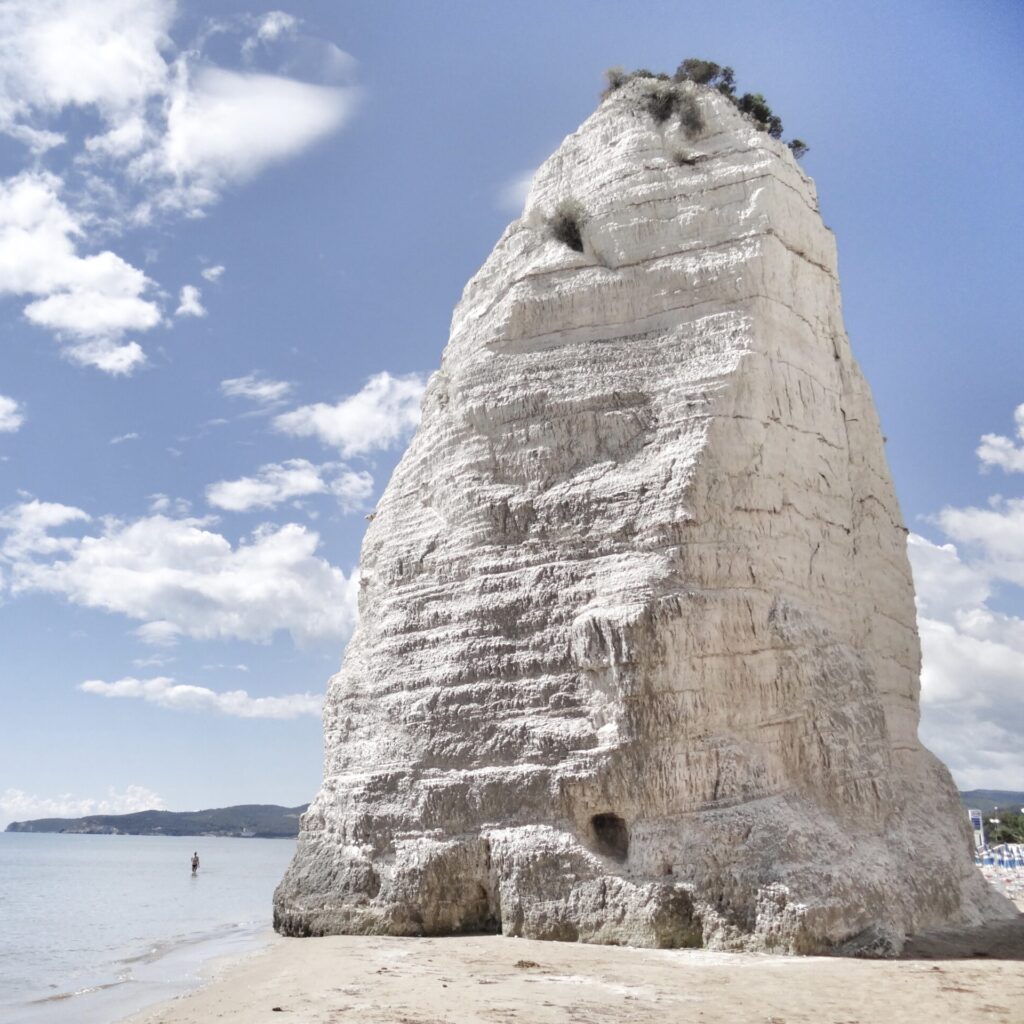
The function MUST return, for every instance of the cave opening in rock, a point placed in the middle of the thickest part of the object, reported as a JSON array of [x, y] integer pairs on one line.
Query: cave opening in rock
[[611, 837]]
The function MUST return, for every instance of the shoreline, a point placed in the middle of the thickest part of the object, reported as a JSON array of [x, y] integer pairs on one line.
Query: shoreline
[[488, 978], [171, 970]]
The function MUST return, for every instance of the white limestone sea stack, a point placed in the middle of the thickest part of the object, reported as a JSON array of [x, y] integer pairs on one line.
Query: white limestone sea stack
[[636, 659]]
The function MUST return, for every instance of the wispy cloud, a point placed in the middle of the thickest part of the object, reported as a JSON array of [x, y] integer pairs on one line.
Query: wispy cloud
[[121, 438], [166, 693], [256, 388], [269, 29], [213, 274], [513, 193]]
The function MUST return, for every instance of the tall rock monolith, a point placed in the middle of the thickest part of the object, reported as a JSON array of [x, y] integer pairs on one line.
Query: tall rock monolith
[[637, 659]]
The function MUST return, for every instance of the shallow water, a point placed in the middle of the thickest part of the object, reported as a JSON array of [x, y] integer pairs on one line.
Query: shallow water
[[93, 927]]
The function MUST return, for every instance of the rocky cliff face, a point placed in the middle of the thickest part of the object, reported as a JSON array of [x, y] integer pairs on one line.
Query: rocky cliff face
[[637, 658]]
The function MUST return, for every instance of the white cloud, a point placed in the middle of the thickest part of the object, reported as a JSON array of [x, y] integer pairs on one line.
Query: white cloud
[[12, 415], [276, 482], [179, 577], [123, 140], [189, 302], [258, 389], [213, 274], [108, 356], [972, 678], [166, 693], [352, 489], [225, 127], [38, 140], [28, 527], [274, 24], [17, 805], [513, 193], [164, 503], [91, 300], [103, 54], [121, 438], [93, 313], [296, 478], [972, 682], [1004, 452], [173, 132], [996, 534], [942, 581], [153, 661], [379, 416], [159, 633]]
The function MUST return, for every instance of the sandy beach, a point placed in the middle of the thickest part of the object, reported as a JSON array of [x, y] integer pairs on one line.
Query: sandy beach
[[487, 978]]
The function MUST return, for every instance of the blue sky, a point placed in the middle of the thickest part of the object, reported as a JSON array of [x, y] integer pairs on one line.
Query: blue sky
[[230, 241]]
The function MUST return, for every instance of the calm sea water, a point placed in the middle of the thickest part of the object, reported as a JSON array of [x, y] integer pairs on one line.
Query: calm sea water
[[94, 927]]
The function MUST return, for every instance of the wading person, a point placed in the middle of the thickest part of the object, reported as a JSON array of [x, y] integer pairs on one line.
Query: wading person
[[195, 862]]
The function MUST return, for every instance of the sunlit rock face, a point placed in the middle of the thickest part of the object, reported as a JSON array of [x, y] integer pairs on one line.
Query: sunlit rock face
[[637, 658]]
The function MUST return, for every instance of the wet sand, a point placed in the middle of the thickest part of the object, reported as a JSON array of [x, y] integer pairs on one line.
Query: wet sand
[[476, 979]]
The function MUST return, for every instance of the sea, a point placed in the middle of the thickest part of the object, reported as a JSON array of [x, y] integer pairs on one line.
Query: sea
[[94, 928]]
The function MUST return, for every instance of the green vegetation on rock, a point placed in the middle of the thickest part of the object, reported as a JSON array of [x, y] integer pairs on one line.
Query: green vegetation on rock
[[663, 100]]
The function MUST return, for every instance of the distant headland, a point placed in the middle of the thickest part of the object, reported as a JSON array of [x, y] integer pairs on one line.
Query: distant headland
[[245, 821]]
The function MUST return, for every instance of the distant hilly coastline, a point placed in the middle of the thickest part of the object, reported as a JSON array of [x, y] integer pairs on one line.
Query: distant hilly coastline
[[269, 821], [246, 821], [988, 800]]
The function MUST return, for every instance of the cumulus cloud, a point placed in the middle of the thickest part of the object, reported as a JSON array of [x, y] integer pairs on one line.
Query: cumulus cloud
[[27, 527], [256, 388], [972, 680], [17, 805], [12, 416], [379, 416], [1004, 452], [179, 577], [213, 274], [90, 301], [103, 54], [297, 478], [994, 535], [188, 302], [169, 131], [108, 356], [166, 693]]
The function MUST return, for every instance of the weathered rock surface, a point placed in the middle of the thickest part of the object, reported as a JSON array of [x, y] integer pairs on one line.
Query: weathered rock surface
[[637, 658]]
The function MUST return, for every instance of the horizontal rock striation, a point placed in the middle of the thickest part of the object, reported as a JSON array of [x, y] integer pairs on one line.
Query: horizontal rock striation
[[637, 658]]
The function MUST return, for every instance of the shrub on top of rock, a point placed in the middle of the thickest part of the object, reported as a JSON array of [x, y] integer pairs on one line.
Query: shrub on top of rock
[[663, 102]]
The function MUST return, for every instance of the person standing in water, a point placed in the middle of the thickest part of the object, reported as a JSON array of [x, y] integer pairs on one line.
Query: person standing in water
[[195, 862]]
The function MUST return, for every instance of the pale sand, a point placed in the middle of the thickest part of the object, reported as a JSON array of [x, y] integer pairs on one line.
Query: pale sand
[[475, 979]]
